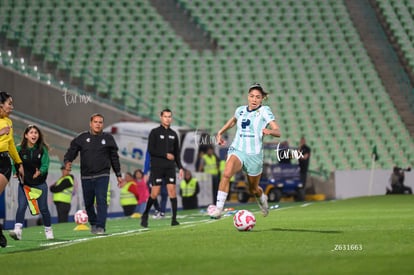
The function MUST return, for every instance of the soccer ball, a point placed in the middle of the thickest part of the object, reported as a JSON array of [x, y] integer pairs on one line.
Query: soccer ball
[[210, 209], [244, 220], [81, 217]]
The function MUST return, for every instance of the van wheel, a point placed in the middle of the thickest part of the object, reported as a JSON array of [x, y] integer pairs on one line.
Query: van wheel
[[300, 195], [242, 196], [274, 195]]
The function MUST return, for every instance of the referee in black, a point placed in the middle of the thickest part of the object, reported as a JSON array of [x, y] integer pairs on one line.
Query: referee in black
[[164, 150]]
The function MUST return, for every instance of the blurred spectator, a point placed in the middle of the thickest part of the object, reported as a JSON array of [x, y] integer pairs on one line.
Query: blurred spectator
[[143, 192], [199, 159], [283, 152], [62, 194], [304, 159], [129, 195], [189, 189], [397, 182]]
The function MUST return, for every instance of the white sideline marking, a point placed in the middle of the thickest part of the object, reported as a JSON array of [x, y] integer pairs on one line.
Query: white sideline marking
[[66, 243], [59, 244]]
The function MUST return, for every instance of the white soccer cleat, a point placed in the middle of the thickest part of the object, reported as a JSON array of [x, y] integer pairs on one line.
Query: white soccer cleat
[[16, 234], [216, 213], [49, 233], [264, 206]]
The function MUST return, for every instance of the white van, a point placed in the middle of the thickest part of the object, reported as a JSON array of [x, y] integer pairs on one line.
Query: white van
[[132, 140]]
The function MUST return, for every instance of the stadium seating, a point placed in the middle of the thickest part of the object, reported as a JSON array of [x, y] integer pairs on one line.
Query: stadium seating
[[400, 17], [307, 54]]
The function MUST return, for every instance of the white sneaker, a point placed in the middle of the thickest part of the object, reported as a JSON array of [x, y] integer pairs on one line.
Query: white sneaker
[[16, 234], [158, 215], [264, 206], [49, 233], [216, 214]]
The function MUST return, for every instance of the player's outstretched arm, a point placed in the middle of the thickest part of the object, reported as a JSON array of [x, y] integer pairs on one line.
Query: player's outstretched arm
[[229, 124], [274, 129]]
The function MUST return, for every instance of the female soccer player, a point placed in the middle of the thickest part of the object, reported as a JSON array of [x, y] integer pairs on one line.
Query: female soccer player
[[7, 149], [246, 150]]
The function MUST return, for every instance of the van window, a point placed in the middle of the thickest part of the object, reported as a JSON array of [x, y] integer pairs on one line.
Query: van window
[[188, 155]]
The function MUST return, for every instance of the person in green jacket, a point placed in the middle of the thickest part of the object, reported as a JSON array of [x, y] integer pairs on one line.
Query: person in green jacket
[[33, 151]]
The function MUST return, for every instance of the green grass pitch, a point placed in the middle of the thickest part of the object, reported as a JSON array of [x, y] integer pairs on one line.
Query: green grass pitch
[[370, 235]]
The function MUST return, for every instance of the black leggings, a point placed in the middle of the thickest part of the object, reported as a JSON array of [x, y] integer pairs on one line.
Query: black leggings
[[5, 166], [63, 209], [129, 209]]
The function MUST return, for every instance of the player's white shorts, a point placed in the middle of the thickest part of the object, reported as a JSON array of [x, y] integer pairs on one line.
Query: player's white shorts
[[252, 164]]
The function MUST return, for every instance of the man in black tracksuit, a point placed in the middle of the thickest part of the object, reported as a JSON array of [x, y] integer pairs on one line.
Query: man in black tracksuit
[[164, 150], [98, 152]]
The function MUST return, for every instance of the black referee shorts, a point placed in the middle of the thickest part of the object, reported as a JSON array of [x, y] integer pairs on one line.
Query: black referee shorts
[[160, 175]]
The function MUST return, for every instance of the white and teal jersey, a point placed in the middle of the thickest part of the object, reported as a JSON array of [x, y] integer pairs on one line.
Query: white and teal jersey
[[250, 125]]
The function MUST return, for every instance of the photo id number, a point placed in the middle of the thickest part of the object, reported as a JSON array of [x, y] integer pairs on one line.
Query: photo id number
[[347, 247]]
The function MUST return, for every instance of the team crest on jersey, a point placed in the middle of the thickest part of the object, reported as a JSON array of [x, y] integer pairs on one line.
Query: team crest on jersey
[[88, 140], [245, 123], [171, 137], [162, 137], [103, 142]]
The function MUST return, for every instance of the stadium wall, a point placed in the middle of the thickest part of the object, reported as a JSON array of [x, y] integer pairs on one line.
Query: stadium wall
[[349, 184], [68, 109]]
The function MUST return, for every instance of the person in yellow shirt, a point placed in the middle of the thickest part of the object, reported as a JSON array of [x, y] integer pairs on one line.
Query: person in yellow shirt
[[7, 149]]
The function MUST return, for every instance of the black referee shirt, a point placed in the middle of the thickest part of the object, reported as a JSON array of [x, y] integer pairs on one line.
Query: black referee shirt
[[160, 142]]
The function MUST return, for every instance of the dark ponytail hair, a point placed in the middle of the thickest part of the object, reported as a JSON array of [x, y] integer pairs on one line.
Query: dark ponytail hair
[[4, 96], [258, 87]]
